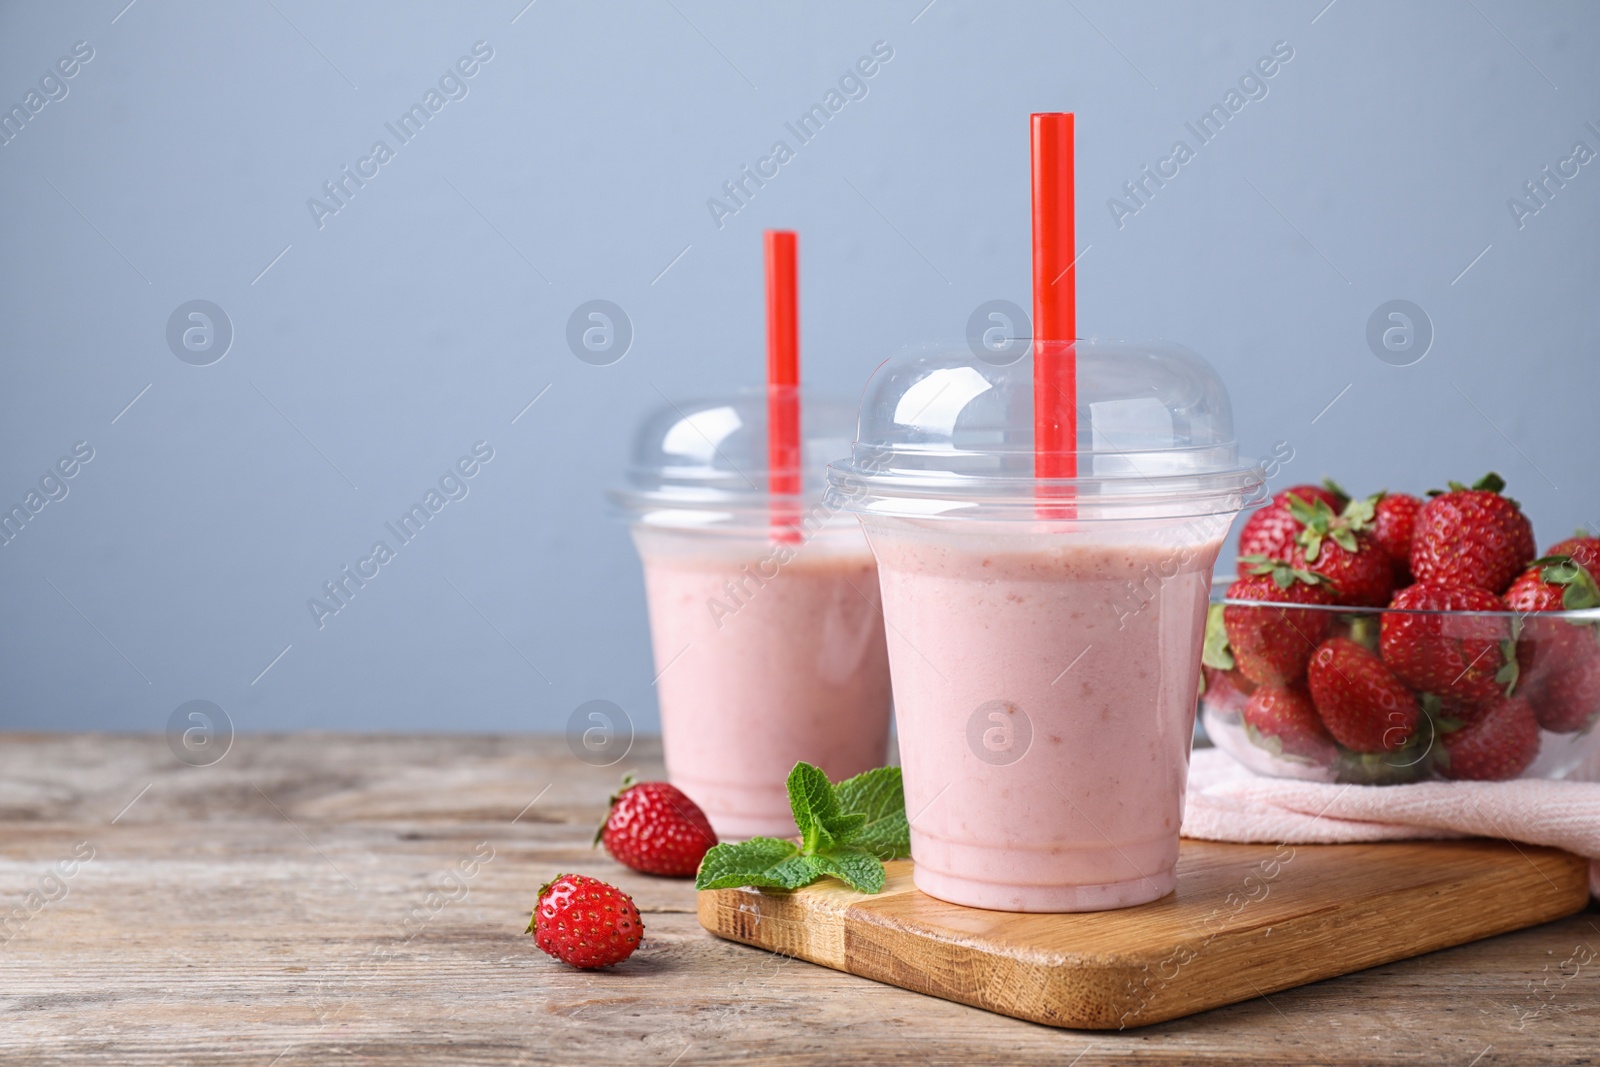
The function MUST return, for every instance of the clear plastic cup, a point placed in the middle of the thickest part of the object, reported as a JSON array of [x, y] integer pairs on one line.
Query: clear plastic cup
[[765, 615], [1045, 635]]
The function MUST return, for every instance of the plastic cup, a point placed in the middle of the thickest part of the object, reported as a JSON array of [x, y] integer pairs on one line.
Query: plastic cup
[[1045, 635], [765, 615]]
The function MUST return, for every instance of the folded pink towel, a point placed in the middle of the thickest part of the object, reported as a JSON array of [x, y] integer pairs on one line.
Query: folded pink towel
[[1229, 803]]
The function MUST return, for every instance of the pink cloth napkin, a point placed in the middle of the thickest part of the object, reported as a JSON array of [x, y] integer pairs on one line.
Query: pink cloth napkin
[[1226, 802]]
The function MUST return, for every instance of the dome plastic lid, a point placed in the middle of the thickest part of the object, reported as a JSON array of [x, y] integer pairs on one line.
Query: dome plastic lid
[[944, 432], [705, 462]]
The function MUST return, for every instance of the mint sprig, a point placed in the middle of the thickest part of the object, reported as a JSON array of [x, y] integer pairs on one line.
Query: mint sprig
[[846, 831], [1581, 591]]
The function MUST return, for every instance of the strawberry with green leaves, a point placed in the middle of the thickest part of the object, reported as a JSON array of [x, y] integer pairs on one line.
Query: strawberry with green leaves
[[1472, 536], [1582, 548], [1341, 548], [1270, 531], [585, 922], [1394, 522], [1284, 721], [1363, 705], [1554, 583], [1498, 741], [1271, 643], [1470, 658], [1559, 659], [1221, 683]]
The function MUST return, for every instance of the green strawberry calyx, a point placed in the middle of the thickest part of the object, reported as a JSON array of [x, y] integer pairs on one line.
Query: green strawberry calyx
[[1215, 652], [1581, 591], [1274, 744], [627, 784], [1320, 523], [1443, 723], [539, 898], [1510, 670], [1364, 630], [1283, 575], [1490, 482]]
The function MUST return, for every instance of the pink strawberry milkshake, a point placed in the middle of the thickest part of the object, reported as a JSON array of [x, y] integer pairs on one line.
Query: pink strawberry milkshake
[[1045, 630], [1045, 758], [767, 654]]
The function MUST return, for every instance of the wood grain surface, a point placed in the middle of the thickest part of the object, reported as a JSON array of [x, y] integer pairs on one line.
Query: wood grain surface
[[1245, 920], [295, 904]]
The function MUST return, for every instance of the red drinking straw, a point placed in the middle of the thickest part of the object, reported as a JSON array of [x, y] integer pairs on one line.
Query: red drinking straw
[[1055, 299], [783, 378]]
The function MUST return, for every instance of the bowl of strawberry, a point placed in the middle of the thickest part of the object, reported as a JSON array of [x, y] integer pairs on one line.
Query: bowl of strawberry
[[1394, 639]]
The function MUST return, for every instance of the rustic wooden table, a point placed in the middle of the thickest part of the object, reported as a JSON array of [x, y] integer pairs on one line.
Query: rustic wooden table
[[331, 899]]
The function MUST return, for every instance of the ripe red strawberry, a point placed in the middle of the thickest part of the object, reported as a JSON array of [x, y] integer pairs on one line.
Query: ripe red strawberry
[[1271, 644], [1530, 592], [1559, 660], [1553, 583], [1583, 548], [1472, 537], [1342, 549], [1394, 520], [1271, 530], [1226, 688], [1499, 743], [585, 922], [1361, 702], [1220, 681], [655, 828], [1284, 722], [1563, 672], [1469, 658]]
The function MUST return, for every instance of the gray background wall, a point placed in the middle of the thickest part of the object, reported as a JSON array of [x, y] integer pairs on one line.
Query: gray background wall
[[372, 352]]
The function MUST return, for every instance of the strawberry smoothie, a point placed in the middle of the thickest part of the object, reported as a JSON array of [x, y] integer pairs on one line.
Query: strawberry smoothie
[[767, 654], [1044, 696]]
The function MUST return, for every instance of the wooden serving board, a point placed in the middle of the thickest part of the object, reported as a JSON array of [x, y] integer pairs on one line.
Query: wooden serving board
[[1245, 920]]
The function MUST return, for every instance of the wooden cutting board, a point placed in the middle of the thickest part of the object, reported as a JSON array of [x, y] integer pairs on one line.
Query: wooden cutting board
[[1246, 920]]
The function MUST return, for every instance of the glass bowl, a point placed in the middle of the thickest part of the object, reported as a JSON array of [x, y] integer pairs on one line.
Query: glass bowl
[[1438, 676]]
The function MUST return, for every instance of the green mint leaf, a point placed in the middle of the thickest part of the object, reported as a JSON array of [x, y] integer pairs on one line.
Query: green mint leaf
[[1216, 653], [811, 799], [856, 867], [880, 796], [770, 862], [823, 824]]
